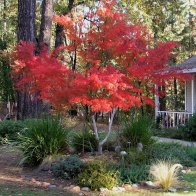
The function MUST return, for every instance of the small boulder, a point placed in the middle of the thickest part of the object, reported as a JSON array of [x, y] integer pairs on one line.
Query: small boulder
[[75, 189], [118, 149], [119, 189], [172, 190], [103, 190], [45, 184], [85, 189], [149, 184], [127, 187], [52, 186], [135, 186], [139, 147]]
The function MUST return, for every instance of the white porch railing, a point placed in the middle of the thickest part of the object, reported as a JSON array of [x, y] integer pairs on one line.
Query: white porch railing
[[169, 119]]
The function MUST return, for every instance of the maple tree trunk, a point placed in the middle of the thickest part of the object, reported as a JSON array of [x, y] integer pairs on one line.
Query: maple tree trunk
[[101, 143], [46, 22]]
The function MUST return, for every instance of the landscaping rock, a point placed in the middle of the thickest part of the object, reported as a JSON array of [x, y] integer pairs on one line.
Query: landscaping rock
[[149, 184], [85, 189], [172, 190], [52, 186], [135, 186], [103, 190], [118, 149], [139, 147], [184, 171], [127, 187], [119, 189], [75, 189], [45, 184], [38, 183]]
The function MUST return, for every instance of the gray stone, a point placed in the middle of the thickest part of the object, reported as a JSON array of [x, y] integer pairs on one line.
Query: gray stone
[[75, 189], [139, 147], [134, 185], [172, 190], [103, 189], [119, 189], [45, 184], [118, 149], [85, 189], [149, 184], [183, 171], [127, 187], [52, 186]]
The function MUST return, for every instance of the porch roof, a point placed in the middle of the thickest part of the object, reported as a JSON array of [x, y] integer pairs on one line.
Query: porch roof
[[188, 66]]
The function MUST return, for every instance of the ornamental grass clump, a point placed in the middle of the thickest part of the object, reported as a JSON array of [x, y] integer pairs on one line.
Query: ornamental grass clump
[[165, 174], [41, 138]]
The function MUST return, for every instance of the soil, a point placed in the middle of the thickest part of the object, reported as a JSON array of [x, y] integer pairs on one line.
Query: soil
[[12, 174]]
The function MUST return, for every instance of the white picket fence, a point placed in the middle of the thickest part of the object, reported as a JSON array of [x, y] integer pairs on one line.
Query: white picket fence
[[172, 119]]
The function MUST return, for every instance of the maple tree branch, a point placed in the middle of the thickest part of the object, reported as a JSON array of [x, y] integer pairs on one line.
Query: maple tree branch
[[95, 127], [110, 126]]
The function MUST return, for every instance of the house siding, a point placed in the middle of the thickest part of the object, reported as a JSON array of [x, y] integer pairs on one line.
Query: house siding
[[188, 97], [195, 93]]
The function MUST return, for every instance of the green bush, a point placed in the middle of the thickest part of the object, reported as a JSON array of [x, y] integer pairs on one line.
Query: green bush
[[137, 131], [191, 129], [9, 129], [84, 141], [134, 173], [40, 139], [97, 175], [172, 152], [191, 151], [68, 168]]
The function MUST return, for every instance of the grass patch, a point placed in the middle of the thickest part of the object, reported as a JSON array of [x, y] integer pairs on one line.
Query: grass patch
[[189, 181]]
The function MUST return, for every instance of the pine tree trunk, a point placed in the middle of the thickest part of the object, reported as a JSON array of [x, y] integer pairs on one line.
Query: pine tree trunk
[[27, 107], [46, 22], [59, 29]]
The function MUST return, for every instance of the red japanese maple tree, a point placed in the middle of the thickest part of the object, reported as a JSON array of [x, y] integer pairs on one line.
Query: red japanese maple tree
[[114, 58]]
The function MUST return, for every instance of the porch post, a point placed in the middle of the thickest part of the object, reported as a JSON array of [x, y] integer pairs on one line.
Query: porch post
[[193, 94], [185, 98], [156, 102]]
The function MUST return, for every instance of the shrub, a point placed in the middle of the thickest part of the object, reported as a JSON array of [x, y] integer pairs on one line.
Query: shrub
[[134, 173], [9, 129], [137, 131], [191, 151], [40, 139], [68, 167], [84, 141], [191, 129], [135, 157], [96, 175], [170, 151], [165, 174]]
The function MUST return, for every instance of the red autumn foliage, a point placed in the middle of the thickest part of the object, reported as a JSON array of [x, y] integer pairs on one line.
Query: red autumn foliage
[[115, 59]]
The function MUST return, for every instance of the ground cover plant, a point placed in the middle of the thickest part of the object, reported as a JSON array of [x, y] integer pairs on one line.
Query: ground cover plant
[[9, 129], [68, 167], [41, 138]]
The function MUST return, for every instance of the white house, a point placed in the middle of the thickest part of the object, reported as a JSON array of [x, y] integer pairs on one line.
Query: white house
[[174, 118]]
